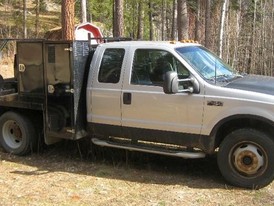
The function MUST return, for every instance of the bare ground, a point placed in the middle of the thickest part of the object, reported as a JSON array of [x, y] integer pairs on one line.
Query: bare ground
[[65, 175]]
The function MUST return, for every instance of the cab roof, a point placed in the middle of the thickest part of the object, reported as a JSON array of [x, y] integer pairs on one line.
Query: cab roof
[[147, 44]]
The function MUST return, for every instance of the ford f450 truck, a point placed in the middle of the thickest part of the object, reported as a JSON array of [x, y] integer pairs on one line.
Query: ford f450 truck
[[168, 98]]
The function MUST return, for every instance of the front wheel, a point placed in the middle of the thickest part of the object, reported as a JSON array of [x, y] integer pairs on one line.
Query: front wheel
[[245, 158], [17, 134]]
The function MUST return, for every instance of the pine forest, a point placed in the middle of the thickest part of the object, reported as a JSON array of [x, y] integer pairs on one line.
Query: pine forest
[[241, 32]]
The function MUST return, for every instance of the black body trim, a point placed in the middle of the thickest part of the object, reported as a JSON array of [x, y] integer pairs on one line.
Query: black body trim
[[168, 137]]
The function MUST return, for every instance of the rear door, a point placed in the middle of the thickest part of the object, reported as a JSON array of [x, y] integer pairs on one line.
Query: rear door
[[106, 92]]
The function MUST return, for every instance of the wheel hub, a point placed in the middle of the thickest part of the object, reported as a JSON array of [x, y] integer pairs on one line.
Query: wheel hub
[[12, 134], [16, 132], [248, 159]]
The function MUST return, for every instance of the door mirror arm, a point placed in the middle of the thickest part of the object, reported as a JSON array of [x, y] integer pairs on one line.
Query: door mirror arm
[[190, 89], [171, 84]]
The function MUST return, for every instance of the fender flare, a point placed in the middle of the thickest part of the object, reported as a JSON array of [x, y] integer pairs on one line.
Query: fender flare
[[232, 118]]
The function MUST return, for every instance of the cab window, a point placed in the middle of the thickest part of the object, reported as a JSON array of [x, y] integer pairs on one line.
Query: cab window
[[150, 66]]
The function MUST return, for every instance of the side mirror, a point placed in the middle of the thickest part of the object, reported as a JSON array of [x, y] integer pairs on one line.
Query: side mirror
[[171, 84]]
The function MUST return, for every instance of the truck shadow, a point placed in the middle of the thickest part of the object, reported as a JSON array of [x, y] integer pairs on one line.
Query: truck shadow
[[123, 165]]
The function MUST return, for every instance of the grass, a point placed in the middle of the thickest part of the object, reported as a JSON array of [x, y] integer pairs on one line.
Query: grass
[[58, 176]]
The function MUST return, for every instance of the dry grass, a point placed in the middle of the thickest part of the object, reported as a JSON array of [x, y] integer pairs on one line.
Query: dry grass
[[58, 176]]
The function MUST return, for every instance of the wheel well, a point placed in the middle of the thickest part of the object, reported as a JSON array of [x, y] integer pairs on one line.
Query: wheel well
[[228, 126]]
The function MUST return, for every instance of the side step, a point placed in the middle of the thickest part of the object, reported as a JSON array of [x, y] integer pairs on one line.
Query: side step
[[175, 153]]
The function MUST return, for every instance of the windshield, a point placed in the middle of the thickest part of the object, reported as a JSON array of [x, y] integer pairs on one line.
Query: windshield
[[211, 67]]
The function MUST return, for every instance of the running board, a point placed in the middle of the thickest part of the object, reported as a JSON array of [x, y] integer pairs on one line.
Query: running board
[[182, 154]]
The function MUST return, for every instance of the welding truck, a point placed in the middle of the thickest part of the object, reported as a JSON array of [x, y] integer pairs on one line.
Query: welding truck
[[167, 98]]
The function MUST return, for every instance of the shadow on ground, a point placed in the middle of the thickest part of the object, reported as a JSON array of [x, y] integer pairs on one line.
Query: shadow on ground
[[81, 158]]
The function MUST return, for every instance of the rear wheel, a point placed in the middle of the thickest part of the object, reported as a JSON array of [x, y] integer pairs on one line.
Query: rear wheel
[[245, 158], [17, 134]]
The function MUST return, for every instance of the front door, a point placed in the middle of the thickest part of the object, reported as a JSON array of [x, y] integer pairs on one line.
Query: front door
[[149, 113]]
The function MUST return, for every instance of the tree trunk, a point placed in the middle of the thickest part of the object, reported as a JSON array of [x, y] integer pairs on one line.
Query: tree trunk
[[208, 24], [140, 32], [84, 10], [68, 19], [163, 16], [174, 20], [197, 22], [24, 19], [263, 41], [222, 27], [37, 18], [238, 30], [150, 21], [272, 39], [182, 20], [251, 50], [118, 26]]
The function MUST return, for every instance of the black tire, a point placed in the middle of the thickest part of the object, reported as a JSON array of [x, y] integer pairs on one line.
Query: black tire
[[17, 134], [246, 158]]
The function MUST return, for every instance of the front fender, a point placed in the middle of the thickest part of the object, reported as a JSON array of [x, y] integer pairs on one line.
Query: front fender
[[237, 121]]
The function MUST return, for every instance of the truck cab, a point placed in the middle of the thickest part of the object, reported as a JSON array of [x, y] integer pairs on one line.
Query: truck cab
[[180, 99], [128, 99]]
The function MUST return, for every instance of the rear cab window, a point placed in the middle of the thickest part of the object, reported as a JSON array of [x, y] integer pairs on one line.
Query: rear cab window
[[111, 65]]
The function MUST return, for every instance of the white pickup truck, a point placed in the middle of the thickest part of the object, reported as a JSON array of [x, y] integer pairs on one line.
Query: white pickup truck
[[168, 98]]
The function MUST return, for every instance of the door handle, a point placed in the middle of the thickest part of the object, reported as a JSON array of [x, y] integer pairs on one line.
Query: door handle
[[22, 67], [127, 98]]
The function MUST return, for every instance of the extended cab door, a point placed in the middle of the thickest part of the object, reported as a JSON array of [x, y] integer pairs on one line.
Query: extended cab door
[[150, 114], [104, 97]]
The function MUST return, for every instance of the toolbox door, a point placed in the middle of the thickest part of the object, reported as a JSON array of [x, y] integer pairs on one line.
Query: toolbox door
[[59, 89], [29, 70]]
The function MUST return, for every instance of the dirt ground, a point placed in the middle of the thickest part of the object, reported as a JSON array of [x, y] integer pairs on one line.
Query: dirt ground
[[65, 175]]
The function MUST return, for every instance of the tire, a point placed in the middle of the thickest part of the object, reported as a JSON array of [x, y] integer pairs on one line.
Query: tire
[[17, 134], [245, 158]]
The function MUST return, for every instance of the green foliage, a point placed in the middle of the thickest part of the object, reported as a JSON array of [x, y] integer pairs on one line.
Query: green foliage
[[101, 11], [77, 8], [43, 5]]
